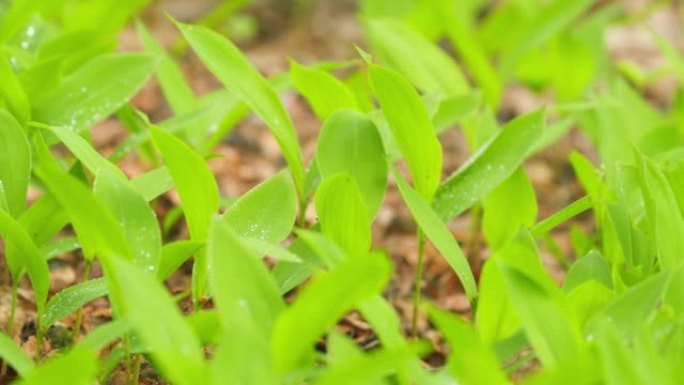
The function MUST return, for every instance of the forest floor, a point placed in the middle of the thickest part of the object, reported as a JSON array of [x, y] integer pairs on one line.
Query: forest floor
[[328, 31]]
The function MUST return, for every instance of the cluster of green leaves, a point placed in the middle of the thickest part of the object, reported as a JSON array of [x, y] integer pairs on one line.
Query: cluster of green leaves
[[617, 318]]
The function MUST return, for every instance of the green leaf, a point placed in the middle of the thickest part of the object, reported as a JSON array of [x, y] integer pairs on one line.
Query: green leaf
[[71, 299], [492, 164], [568, 212], [590, 267], [12, 92], [341, 348], [174, 348], [470, 50], [233, 69], [522, 254], [174, 254], [60, 247], [377, 311], [620, 365], [350, 142], [95, 90], [4, 206], [176, 90], [367, 369], [289, 275], [324, 92], [411, 127], [135, 216], [550, 19], [242, 341], [96, 228], [674, 171], [321, 303], [198, 192], [105, 17], [104, 335], [588, 298], [260, 247], [510, 206], [15, 163], [496, 319], [437, 232], [382, 317], [674, 294], [84, 152], [256, 299], [454, 110], [42, 77], [631, 309], [247, 309], [552, 333], [153, 183], [672, 54], [323, 247], [423, 63], [31, 258], [14, 356], [343, 215], [77, 367], [266, 212], [207, 326], [665, 219], [470, 361], [43, 219]]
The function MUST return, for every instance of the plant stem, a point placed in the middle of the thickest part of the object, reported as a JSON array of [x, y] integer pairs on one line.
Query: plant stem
[[135, 374], [13, 311], [417, 285], [473, 251], [127, 362], [39, 340], [10, 321], [303, 204], [79, 314]]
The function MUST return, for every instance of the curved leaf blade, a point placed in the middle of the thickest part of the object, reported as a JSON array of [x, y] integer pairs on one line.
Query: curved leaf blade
[[32, 259], [198, 192], [95, 90], [174, 254], [491, 165], [256, 299], [14, 356], [15, 163], [437, 232], [510, 206], [471, 361], [350, 142], [267, 212], [233, 69], [96, 228], [175, 349], [343, 215], [320, 304], [423, 63], [84, 152], [411, 127], [77, 367], [71, 299], [135, 216], [324, 92]]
